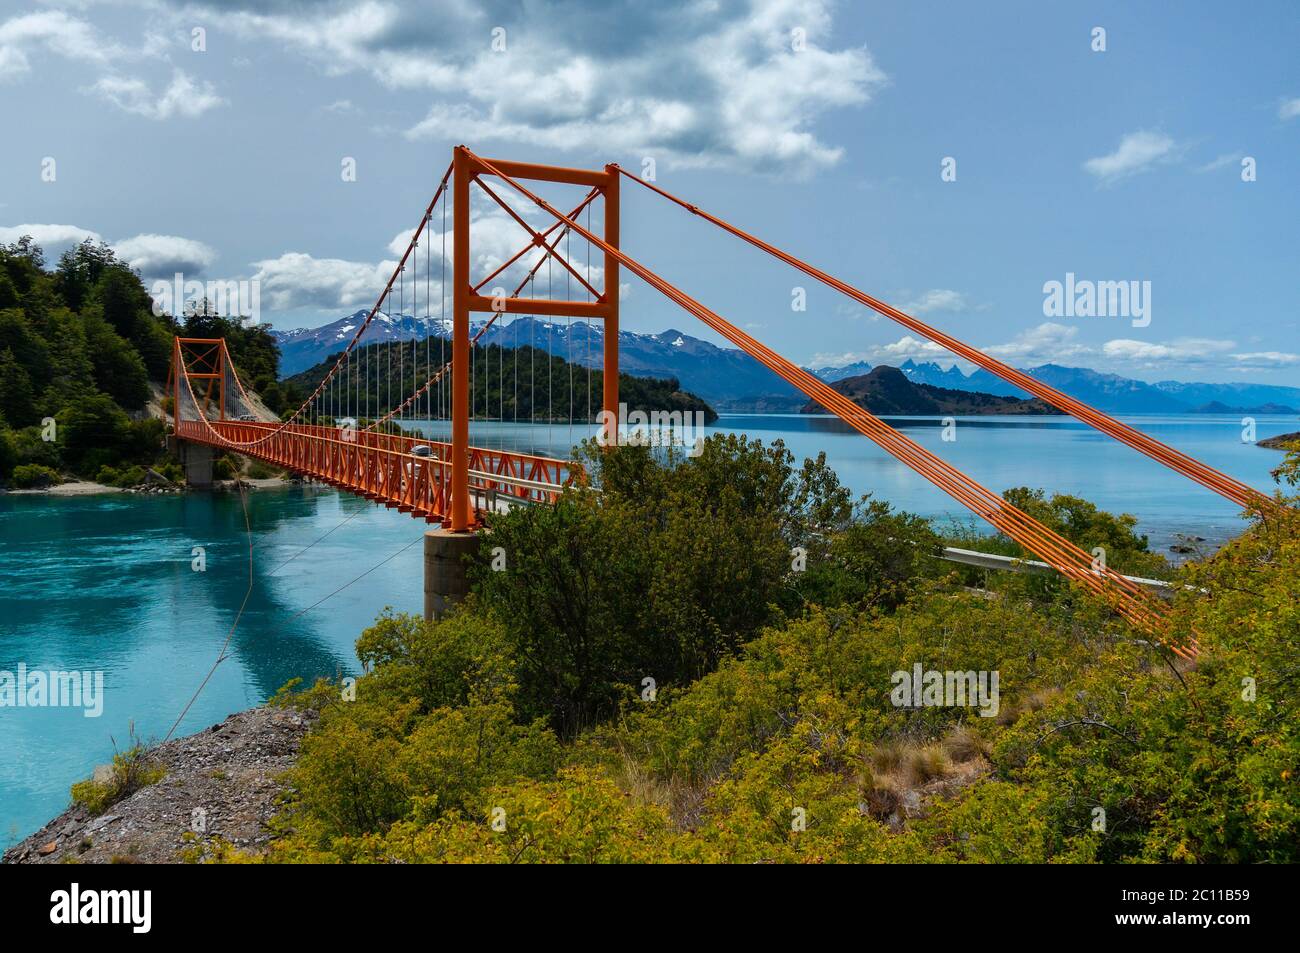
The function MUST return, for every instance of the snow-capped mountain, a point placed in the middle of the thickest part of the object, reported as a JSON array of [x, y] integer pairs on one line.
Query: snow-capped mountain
[[302, 348], [730, 379], [723, 376]]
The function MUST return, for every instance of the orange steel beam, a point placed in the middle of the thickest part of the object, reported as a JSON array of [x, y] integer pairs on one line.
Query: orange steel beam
[[574, 309], [461, 172], [610, 361], [1190, 467], [1134, 604]]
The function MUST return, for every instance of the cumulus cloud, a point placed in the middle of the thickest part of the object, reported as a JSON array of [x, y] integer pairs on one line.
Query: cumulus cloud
[[1046, 343], [53, 239], [51, 31], [905, 348], [1288, 109], [1181, 351], [1136, 152], [936, 299], [299, 280], [182, 97], [164, 255], [685, 82]]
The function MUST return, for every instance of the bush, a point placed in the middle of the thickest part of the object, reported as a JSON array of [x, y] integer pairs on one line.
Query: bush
[[130, 771], [29, 475], [132, 476]]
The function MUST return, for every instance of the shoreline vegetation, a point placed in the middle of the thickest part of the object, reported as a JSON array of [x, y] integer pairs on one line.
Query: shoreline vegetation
[[701, 664]]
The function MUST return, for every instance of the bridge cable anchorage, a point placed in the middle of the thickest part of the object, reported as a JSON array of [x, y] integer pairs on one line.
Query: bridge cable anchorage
[[1124, 597], [1241, 494]]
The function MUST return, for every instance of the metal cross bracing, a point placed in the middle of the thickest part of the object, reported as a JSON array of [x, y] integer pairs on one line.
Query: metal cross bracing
[[455, 482]]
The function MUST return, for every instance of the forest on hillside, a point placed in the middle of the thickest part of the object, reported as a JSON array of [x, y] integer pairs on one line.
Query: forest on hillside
[[82, 358], [506, 383]]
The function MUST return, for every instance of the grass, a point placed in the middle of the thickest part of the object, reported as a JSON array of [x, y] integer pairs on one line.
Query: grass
[[130, 771]]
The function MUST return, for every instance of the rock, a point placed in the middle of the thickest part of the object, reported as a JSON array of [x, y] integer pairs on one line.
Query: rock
[[231, 771]]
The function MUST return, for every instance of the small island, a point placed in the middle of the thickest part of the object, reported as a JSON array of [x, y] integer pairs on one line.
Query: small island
[[886, 390]]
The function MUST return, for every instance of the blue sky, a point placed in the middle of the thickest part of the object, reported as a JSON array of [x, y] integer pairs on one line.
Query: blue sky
[[1115, 165]]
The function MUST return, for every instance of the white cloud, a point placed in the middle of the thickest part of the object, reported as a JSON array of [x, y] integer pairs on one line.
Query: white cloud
[[1047, 343], [53, 239], [1289, 109], [688, 83], [183, 97], [1136, 152], [298, 280], [1265, 360], [1227, 159], [1180, 351], [165, 255], [901, 350], [50, 31], [936, 299]]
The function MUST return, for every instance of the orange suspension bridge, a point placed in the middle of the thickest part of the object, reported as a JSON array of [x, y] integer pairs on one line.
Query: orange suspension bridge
[[454, 482]]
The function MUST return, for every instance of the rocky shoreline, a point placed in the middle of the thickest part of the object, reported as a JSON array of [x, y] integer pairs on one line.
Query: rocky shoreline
[[1282, 441], [90, 488], [221, 784]]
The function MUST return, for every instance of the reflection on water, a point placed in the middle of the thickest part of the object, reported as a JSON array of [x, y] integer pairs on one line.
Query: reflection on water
[[105, 582]]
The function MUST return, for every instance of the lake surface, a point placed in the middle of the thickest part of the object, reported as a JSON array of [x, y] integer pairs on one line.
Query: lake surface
[[105, 583]]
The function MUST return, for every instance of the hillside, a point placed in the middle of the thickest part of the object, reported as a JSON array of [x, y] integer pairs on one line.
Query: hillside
[[83, 361], [886, 390], [536, 386]]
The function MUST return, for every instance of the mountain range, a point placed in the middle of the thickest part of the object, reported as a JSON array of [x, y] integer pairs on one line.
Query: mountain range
[[730, 380]]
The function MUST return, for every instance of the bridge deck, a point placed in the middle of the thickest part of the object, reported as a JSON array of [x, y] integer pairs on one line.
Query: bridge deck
[[381, 467]]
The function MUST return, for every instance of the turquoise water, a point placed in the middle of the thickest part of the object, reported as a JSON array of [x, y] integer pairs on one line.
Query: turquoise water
[[105, 583]]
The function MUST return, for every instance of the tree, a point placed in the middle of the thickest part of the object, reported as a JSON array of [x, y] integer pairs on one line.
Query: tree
[[17, 397], [94, 432], [119, 371]]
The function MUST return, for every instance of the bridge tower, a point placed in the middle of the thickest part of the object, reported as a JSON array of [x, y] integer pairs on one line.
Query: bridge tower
[[203, 361], [446, 549]]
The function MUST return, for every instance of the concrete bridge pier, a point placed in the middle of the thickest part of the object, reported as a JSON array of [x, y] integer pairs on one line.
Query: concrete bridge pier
[[446, 576], [196, 461]]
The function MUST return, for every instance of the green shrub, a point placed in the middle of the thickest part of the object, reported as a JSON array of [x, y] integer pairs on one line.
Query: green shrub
[[132, 476], [29, 475], [130, 771]]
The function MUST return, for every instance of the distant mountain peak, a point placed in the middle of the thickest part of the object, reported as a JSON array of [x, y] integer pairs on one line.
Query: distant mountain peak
[[730, 379]]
